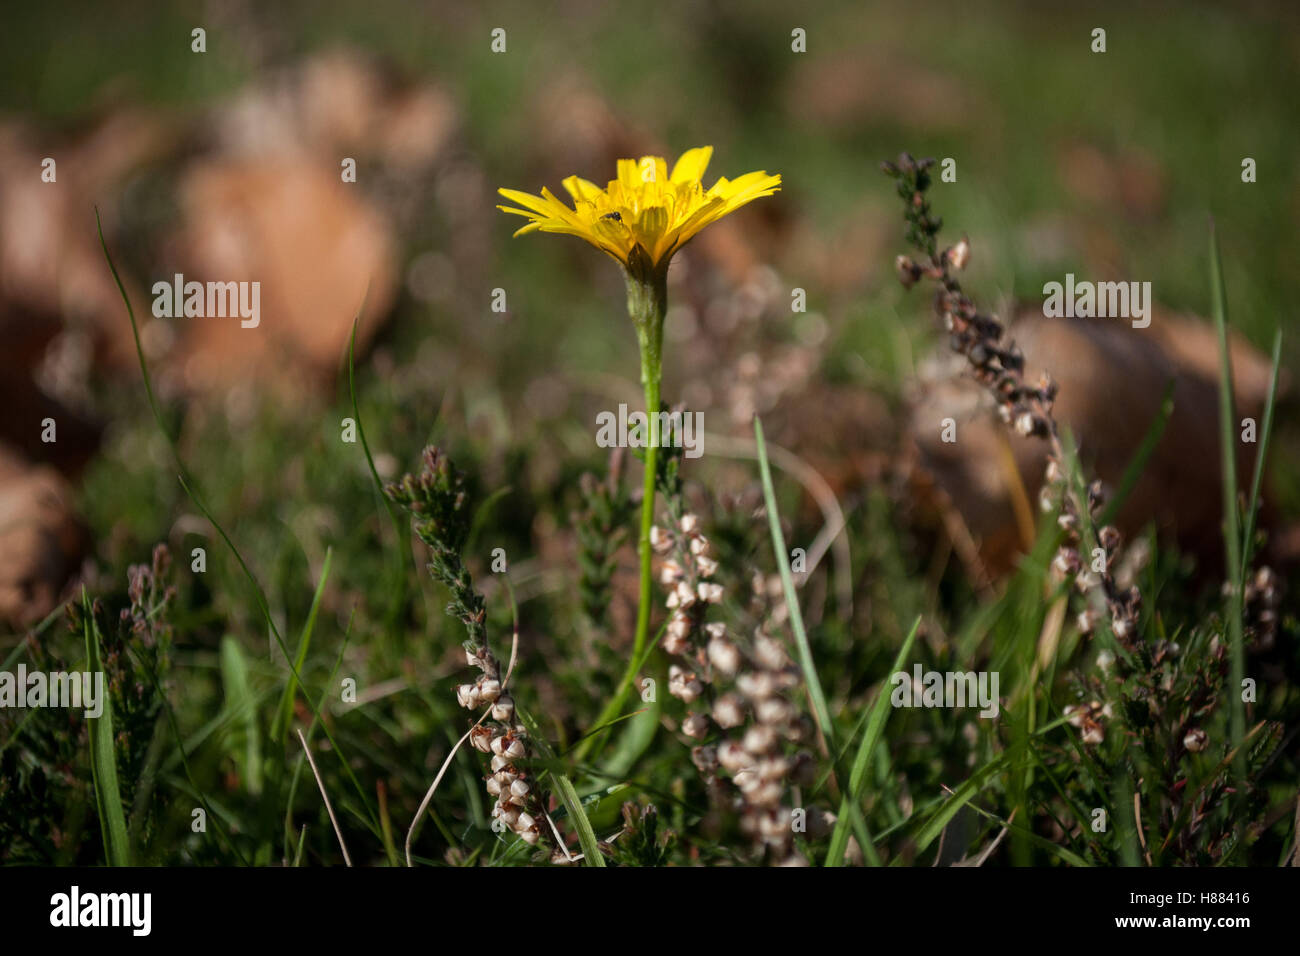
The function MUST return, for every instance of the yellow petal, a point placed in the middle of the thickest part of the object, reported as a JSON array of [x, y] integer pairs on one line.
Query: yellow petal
[[542, 205], [581, 189], [628, 176], [645, 206], [692, 164]]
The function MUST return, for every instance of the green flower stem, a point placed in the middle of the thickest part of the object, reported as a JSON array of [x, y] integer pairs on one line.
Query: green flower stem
[[647, 304]]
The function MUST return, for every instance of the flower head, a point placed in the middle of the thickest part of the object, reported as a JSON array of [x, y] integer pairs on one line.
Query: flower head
[[647, 213]]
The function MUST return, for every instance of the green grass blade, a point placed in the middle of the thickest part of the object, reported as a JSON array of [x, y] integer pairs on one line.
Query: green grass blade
[[943, 813], [275, 633], [242, 703], [1265, 430], [182, 755], [586, 835], [394, 515], [959, 798], [284, 713], [1055, 849], [820, 710], [103, 757], [302, 840], [878, 715], [139, 352], [1231, 528]]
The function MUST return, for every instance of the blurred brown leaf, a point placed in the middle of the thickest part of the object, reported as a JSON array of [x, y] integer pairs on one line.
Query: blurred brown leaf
[[1112, 379], [41, 541]]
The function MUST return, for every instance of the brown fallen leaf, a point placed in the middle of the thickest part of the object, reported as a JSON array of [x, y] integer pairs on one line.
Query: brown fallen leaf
[[41, 539], [1112, 380], [314, 246]]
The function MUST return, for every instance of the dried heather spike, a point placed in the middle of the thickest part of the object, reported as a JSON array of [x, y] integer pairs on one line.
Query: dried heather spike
[[1028, 410]]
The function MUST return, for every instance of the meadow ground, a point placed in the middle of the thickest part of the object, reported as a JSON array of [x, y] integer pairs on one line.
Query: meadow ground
[[1067, 161]]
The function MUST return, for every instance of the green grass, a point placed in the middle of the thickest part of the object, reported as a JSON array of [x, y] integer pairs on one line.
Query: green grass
[[103, 756]]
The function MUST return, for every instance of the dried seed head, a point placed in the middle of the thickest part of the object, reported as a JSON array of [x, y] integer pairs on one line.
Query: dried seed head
[[689, 523], [670, 573], [467, 695], [1066, 561], [774, 710], [509, 746], [756, 685], [768, 794], [759, 739], [1196, 740], [676, 644], [1096, 495], [683, 684], [705, 760], [489, 690], [1092, 732], [734, 757], [504, 709], [729, 711], [679, 625], [908, 271], [660, 540], [709, 592], [769, 653], [1109, 538], [724, 655], [958, 255], [696, 726]]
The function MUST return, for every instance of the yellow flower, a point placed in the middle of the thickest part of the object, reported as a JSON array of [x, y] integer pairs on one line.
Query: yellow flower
[[646, 214]]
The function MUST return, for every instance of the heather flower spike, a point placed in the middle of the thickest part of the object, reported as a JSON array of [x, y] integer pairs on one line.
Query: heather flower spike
[[641, 219]]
